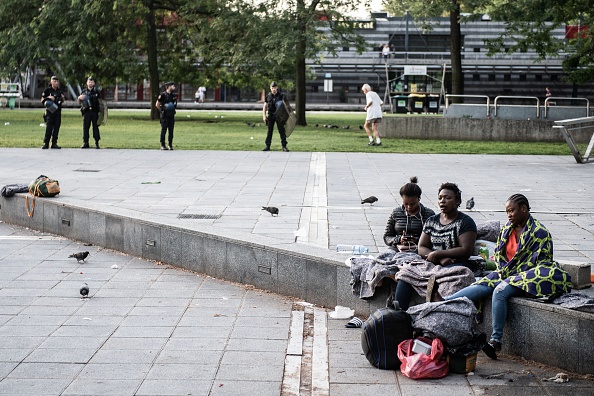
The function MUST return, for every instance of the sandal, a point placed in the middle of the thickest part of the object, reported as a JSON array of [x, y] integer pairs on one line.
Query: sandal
[[353, 323]]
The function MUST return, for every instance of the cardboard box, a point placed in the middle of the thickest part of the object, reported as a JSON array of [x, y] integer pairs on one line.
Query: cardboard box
[[462, 364]]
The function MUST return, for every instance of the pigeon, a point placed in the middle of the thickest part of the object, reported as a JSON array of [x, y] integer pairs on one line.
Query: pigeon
[[248, 123], [84, 290], [346, 127], [369, 200], [80, 256], [470, 203], [361, 127], [271, 209]]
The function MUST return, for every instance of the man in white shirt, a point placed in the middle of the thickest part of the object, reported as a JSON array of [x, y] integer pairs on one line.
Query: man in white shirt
[[374, 114]]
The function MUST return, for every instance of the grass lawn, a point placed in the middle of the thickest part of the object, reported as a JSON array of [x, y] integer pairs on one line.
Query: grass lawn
[[228, 130]]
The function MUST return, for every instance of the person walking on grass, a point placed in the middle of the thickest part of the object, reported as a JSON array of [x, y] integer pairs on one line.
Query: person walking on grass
[[373, 107]]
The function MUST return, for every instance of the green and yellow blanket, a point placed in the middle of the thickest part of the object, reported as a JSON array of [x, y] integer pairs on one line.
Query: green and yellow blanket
[[532, 268]]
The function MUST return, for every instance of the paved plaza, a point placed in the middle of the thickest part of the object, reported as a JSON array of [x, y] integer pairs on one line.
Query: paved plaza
[[153, 329]]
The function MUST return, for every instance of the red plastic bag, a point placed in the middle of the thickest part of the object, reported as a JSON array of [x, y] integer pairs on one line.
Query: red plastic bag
[[419, 365]]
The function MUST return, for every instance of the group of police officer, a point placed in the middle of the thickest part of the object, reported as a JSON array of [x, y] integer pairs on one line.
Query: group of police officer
[[90, 106], [53, 98]]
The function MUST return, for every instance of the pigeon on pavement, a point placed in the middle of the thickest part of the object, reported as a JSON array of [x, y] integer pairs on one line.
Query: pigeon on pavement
[[84, 290], [369, 200], [80, 256], [271, 209], [470, 203]]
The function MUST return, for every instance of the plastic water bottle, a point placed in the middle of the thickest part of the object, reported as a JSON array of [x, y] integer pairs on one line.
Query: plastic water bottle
[[351, 249]]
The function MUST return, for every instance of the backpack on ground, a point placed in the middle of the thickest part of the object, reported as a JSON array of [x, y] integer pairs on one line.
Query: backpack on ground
[[43, 186], [382, 332]]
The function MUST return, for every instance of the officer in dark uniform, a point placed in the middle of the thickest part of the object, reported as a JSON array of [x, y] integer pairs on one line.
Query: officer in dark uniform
[[271, 104], [166, 103], [89, 102], [52, 98]]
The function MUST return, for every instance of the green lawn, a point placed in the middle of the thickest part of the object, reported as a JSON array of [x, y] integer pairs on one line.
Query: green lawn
[[227, 130]]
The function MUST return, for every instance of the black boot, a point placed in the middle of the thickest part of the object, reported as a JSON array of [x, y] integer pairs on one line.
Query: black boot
[[45, 146], [163, 147], [85, 145], [170, 145], [97, 144]]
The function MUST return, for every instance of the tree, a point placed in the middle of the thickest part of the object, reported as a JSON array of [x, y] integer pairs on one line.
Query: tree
[[529, 24], [273, 42], [240, 42]]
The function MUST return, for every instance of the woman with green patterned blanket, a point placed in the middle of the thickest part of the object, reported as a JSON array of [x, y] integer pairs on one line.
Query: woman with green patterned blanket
[[525, 267]]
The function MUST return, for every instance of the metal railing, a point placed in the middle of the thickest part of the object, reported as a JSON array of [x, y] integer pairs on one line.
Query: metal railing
[[488, 104], [555, 98], [517, 97]]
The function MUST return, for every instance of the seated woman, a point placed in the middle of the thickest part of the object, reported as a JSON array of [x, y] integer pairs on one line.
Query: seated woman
[[405, 224], [447, 239], [525, 266]]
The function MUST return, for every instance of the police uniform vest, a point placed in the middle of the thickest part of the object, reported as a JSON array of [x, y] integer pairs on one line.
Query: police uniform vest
[[168, 103], [274, 101], [91, 100], [52, 105]]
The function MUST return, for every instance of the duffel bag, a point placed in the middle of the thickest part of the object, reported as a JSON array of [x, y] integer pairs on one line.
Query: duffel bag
[[382, 332]]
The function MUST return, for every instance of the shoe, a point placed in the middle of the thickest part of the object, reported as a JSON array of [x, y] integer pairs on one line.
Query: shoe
[[163, 147], [55, 146], [45, 146], [285, 149], [496, 345], [372, 143], [490, 351], [354, 323], [378, 144], [170, 146], [97, 145], [267, 148], [85, 145]]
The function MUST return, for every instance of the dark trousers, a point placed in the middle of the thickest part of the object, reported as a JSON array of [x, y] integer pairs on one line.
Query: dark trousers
[[52, 126], [404, 291], [167, 123], [281, 130], [90, 117]]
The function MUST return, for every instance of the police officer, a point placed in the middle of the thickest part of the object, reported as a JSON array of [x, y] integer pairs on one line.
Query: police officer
[[273, 100], [89, 102], [52, 98], [166, 103]]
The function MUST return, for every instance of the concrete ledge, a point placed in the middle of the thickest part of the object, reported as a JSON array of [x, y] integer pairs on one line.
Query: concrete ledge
[[545, 333], [579, 272], [441, 128]]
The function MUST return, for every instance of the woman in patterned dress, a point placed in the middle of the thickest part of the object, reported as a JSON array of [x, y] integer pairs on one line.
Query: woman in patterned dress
[[525, 267]]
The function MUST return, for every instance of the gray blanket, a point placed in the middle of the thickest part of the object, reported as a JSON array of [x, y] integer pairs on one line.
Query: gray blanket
[[578, 301], [448, 279], [367, 272], [451, 320]]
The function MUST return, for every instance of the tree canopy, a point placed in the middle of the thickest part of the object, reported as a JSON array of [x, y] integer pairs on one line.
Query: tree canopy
[[238, 42], [529, 24]]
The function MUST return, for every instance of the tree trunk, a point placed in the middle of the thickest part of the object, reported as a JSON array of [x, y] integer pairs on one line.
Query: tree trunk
[[301, 47], [152, 58], [456, 50], [300, 84]]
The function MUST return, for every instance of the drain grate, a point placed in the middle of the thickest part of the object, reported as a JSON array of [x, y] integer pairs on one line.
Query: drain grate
[[87, 170], [199, 216]]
